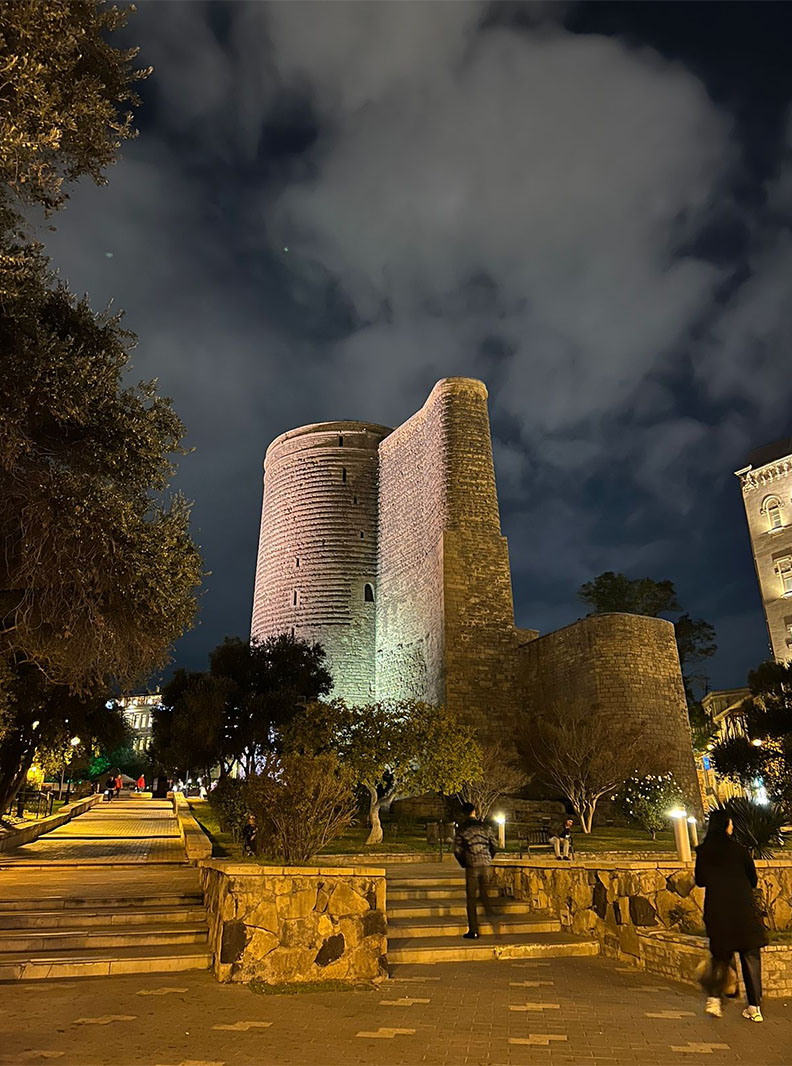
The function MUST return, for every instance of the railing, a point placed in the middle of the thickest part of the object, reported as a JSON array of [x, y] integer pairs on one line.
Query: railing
[[31, 803]]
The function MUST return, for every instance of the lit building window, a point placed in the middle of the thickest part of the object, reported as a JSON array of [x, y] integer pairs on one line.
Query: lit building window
[[784, 568], [771, 507]]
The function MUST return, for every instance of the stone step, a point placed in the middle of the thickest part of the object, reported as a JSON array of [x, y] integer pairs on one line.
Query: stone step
[[99, 962], [400, 928], [128, 902], [412, 908], [452, 891], [399, 881], [429, 950], [103, 916], [38, 941]]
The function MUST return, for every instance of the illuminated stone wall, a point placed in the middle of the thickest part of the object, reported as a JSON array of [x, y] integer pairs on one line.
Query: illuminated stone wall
[[767, 495], [623, 666], [318, 547]]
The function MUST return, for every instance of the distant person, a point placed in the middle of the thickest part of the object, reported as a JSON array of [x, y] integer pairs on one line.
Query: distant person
[[727, 872], [562, 839], [119, 784], [249, 836], [474, 849], [109, 788], [141, 783]]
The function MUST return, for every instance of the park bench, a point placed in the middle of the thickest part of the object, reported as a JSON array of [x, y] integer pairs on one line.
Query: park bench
[[534, 838]]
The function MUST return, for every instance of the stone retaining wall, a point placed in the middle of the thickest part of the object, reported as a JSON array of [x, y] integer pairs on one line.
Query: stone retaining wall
[[26, 834], [649, 913], [292, 924], [197, 845]]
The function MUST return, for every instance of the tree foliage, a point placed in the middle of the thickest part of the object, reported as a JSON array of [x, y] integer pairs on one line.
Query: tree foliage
[[647, 800], [584, 755], [404, 747], [239, 709], [65, 98], [501, 775], [760, 827]]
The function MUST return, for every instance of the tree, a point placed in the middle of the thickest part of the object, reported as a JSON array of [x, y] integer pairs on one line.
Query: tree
[[647, 800], [584, 755], [500, 776], [695, 638], [65, 95], [765, 752], [237, 711], [97, 568], [404, 747]]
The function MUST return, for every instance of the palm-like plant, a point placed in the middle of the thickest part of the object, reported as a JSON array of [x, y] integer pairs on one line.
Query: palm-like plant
[[757, 826]]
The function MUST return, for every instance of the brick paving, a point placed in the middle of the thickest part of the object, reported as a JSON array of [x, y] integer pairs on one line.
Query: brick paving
[[129, 829], [445, 1015]]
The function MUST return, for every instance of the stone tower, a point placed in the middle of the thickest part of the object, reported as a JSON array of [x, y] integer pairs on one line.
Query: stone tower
[[316, 574], [767, 494]]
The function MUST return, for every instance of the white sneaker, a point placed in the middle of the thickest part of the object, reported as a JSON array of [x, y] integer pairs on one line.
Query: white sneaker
[[753, 1014], [713, 1007]]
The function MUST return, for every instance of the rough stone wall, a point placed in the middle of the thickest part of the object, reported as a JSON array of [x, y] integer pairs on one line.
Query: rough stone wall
[[648, 913], [772, 548], [625, 667], [318, 547], [291, 924], [445, 619]]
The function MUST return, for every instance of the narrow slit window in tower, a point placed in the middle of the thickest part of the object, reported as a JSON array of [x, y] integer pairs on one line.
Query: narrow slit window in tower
[[340, 442], [361, 534], [343, 473], [368, 593], [295, 598], [297, 561]]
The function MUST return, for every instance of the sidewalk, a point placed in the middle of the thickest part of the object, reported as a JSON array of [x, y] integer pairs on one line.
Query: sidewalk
[[586, 1012]]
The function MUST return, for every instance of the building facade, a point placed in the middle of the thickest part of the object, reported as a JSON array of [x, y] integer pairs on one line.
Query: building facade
[[138, 710], [767, 494], [386, 546]]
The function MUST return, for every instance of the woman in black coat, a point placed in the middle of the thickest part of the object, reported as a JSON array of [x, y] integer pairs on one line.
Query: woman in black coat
[[726, 870]]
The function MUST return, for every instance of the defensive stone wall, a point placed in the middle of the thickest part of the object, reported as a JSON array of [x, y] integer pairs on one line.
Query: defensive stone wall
[[623, 666], [318, 547], [647, 913], [295, 924]]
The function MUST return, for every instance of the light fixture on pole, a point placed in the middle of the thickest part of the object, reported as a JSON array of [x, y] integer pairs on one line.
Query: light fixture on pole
[[500, 821], [693, 827], [679, 817]]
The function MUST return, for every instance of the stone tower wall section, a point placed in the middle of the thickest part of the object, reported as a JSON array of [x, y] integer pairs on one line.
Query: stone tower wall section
[[318, 547], [767, 492], [445, 620], [625, 667]]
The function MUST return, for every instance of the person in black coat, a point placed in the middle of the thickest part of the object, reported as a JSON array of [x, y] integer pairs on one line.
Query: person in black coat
[[727, 872]]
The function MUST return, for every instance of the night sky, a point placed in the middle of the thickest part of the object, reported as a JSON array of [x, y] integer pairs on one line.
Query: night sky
[[589, 206]]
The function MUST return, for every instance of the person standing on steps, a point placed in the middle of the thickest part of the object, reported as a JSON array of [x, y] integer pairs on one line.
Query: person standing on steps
[[726, 871], [474, 850]]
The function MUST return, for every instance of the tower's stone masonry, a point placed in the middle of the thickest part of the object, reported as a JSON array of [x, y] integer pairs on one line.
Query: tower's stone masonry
[[318, 546], [625, 667], [767, 494], [411, 515]]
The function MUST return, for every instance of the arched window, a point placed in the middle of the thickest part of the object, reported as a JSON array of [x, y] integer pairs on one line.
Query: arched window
[[771, 507], [368, 593]]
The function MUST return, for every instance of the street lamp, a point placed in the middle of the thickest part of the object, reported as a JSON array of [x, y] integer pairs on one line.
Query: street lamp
[[500, 821], [679, 817]]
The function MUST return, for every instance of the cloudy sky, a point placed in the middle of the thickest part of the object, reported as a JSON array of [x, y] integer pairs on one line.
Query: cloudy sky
[[587, 205]]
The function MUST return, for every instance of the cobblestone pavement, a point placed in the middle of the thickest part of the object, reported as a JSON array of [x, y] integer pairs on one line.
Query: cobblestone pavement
[[520, 1013], [129, 829]]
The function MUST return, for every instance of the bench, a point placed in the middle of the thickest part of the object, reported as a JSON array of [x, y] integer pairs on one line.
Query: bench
[[529, 839]]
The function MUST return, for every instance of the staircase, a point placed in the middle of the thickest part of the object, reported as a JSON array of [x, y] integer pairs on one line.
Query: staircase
[[138, 929], [427, 919]]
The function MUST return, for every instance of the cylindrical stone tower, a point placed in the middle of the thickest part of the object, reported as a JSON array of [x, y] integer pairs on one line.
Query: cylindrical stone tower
[[317, 557]]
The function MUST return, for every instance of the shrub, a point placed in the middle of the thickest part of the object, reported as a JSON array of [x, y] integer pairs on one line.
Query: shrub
[[228, 799], [301, 804], [757, 826], [647, 800]]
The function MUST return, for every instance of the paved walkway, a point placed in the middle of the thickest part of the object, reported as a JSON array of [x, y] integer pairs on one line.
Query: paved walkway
[[129, 829], [563, 1011]]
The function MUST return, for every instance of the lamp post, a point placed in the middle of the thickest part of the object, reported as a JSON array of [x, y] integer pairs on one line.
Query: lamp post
[[693, 827], [679, 817], [500, 821]]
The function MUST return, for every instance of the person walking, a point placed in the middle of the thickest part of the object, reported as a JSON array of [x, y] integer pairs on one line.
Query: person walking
[[119, 784], [562, 839], [726, 871], [474, 850], [109, 788], [141, 783]]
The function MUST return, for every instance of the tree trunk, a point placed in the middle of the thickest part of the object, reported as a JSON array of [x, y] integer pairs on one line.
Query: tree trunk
[[10, 785], [375, 836], [588, 816]]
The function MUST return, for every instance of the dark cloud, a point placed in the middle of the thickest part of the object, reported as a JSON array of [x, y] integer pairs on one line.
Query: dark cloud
[[333, 205]]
